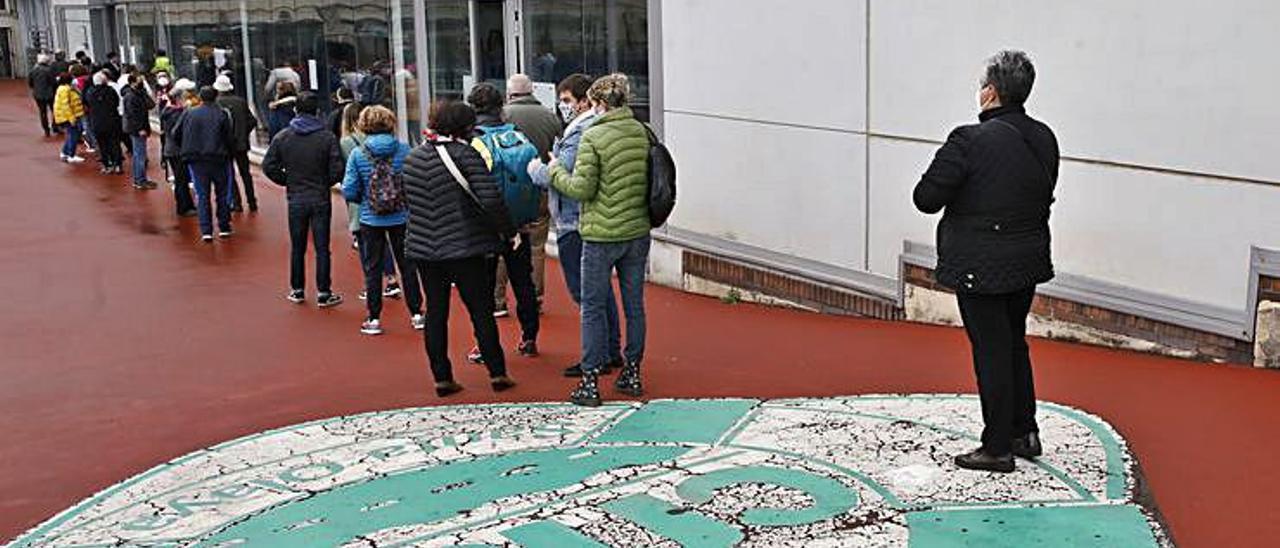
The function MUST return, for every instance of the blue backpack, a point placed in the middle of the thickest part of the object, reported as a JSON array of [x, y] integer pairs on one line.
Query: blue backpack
[[512, 152]]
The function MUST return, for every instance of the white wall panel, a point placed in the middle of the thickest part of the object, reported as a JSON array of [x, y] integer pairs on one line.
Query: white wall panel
[[776, 60], [791, 190], [1181, 84], [1169, 234]]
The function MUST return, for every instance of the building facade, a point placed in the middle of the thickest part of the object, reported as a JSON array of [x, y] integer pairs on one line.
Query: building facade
[[800, 129]]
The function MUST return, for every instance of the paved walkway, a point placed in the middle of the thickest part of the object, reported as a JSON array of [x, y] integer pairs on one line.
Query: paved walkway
[[126, 344]]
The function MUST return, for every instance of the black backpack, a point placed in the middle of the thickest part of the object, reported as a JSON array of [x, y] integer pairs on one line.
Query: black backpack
[[662, 181]]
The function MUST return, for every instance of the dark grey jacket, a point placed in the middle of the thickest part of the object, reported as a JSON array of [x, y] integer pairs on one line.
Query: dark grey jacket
[[444, 222], [995, 180], [43, 82]]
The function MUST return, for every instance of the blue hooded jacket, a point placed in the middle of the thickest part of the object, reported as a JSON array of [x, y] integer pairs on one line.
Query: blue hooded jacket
[[360, 168]]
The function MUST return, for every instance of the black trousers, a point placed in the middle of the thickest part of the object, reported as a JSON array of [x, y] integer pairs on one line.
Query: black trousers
[[997, 329], [45, 106], [314, 219], [241, 159], [519, 264], [474, 280], [182, 199], [109, 151], [376, 242]]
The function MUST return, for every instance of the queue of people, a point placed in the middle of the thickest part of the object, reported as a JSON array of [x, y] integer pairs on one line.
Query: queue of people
[[470, 208]]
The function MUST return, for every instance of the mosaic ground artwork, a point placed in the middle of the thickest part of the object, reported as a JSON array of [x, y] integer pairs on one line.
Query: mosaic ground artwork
[[858, 471]]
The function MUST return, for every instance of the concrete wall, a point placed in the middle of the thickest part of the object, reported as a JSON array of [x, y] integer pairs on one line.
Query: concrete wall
[[1165, 111]]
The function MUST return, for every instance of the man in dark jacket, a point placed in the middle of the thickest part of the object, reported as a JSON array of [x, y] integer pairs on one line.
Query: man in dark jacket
[[995, 180], [543, 128], [305, 159], [204, 137], [172, 154], [243, 125], [137, 124], [516, 261], [60, 63], [43, 82]]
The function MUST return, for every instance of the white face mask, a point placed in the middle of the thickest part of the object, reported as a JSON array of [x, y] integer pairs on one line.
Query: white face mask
[[162, 81]]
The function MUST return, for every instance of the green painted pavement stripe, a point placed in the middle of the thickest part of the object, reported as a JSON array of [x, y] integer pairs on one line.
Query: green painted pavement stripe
[[579, 495], [679, 421], [1067, 480], [1117, 482], [1102, 526], [549, 534]]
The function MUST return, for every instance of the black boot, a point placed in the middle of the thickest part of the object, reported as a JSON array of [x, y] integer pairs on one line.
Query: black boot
[[587, 393], [980, 460], [1028, 446], [628, 381]]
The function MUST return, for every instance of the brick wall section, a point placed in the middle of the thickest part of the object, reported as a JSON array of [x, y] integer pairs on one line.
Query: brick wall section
[[1206, 346], [824, 298], [1268, 289]]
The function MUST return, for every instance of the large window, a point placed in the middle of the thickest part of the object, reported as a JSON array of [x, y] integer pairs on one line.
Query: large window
[[595, 37], [448, 48]]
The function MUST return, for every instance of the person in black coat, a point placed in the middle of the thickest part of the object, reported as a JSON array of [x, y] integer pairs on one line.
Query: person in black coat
[[243, 124], [454, 237], [994, 182], [203, 135], [305, 159], [137, 125], [170, 115], [43, 82], [103, 105]]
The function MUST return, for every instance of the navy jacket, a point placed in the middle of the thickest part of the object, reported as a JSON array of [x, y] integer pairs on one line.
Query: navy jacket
[[203, 135]]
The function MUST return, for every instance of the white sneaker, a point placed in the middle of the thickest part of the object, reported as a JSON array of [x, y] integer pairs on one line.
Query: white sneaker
[[371, 327], [74, 160], [62, 156], [90, 150], [418, 321]]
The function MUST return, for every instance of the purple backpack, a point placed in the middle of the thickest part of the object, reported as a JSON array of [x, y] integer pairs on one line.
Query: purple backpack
[[386, 186]]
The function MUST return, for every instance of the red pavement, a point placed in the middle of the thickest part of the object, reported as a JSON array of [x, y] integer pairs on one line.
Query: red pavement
[[126, 343]]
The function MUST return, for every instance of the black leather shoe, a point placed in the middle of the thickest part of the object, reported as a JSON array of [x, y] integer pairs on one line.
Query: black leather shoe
[[447, 388], [1028, 446], [980, 460]]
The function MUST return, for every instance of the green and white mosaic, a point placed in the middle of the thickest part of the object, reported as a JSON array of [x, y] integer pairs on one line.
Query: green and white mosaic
[[858, 471]]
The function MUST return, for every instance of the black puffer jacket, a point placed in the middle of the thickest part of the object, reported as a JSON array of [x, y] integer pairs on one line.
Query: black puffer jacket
[[169, 119], [444, 222], [995, 180]]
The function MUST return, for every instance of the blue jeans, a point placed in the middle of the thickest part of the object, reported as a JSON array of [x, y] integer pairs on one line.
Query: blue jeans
[[599, 260], [139, 157], [211, 178], [73, 139], [570, 248]]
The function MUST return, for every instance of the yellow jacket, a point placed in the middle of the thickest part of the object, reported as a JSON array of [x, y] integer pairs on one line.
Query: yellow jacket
[[67, 107]]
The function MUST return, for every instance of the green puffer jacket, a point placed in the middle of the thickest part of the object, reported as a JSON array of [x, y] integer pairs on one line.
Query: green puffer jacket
[[610, 179]]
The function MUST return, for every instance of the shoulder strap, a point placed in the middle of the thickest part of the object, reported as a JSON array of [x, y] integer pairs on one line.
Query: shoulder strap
[[457, 175], [1032, 150]]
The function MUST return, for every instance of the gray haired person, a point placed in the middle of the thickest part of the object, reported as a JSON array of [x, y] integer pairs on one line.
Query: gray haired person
[[994, 183]]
